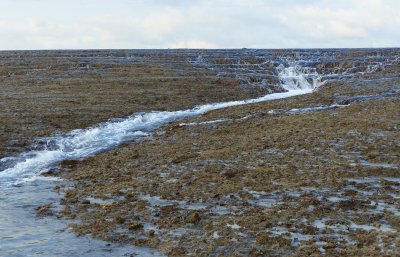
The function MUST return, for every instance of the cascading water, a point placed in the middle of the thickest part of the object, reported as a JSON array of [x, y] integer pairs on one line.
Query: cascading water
[[22, 188], [23, 234], [82, 143], [294, 77]]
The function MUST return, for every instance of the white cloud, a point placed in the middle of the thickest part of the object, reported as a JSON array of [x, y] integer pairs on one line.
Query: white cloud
[[193, 44], [198, 24]]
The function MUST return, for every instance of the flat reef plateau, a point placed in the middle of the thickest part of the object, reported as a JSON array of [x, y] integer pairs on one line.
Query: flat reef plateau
[[309, 175]]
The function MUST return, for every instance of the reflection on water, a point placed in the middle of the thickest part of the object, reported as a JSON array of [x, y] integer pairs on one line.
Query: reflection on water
[[22, 233]]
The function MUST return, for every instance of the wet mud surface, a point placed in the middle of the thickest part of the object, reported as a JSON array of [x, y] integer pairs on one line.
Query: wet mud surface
[[316, 174]]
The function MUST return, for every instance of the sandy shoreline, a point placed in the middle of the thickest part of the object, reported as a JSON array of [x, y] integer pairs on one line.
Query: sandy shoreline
[[256, 180]]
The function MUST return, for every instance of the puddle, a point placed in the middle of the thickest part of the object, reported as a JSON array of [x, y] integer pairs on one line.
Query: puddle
[[23, 233]]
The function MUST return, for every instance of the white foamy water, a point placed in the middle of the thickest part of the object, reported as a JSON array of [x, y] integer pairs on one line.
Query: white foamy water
[[23, 234], [22, 188], [296, 77], [82, 143]]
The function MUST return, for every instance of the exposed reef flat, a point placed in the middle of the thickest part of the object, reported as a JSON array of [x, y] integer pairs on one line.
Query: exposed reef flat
[[258, 184], [288, 177], [48, 92]]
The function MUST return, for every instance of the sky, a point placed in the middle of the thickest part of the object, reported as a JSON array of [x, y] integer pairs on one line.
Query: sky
[[132, 24]]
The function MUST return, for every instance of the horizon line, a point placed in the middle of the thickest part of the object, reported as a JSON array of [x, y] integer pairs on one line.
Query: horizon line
[[183, 48]]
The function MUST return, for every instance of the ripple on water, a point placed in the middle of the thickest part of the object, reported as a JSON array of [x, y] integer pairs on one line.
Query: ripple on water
[[22, 233]]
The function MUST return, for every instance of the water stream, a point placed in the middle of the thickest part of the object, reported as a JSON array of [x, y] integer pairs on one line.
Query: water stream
[[22, 188]]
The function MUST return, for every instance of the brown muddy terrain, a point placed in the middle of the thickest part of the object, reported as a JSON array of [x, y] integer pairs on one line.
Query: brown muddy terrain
[[314, 174]]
